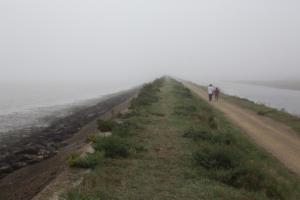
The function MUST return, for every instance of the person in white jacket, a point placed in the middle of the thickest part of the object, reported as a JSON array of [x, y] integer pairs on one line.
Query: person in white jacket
[[210, 91]]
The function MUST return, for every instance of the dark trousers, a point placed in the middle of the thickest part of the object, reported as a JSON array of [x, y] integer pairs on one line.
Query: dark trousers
[[217, 97], [210, 97]]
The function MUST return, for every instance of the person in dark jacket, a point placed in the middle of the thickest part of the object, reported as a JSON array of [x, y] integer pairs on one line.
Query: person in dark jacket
[[217, 93]]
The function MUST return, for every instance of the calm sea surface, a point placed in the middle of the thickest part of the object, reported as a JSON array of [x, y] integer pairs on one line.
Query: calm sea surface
[[273, 97], [30, 104]]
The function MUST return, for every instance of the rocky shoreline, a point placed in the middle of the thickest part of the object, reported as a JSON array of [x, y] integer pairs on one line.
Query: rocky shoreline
[[43, 143]]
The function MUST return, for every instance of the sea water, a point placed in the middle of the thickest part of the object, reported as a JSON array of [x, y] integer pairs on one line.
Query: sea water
[[29, 104], [286, 99]]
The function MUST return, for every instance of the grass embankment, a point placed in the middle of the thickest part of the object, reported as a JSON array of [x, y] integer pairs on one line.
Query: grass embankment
[[261, 109], [173, 145]]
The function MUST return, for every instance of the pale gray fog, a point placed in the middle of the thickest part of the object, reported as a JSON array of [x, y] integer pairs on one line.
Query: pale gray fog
[[60, 51]]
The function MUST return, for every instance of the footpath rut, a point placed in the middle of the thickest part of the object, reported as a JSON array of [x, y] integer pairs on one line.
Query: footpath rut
[[277, 138]]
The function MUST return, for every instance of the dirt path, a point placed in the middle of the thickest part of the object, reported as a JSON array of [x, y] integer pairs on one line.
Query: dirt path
[[281, 141]]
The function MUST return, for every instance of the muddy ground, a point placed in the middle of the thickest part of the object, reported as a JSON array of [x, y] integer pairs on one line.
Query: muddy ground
[[28, 164]]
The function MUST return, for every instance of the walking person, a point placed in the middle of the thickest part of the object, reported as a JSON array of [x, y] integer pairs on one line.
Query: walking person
[[217, 93], [210, 91]]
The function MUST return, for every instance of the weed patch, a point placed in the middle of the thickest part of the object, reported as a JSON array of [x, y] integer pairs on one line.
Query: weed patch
[[212, 122], [265, 111], [204, 133], [113, 146], [88, 161], [123, 130], [106, 125], [92, 137], [214, 157]]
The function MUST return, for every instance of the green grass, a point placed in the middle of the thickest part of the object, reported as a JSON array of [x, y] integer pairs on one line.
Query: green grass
[[123, 130], [113, 146], [106, 125], [179, 147], [225, 155], [147, 95], [90, 160]]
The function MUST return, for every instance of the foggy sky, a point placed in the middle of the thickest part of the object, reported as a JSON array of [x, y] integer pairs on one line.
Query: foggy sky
[[137, 40]]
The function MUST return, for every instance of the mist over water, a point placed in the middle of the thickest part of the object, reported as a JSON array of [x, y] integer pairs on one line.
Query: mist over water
[[31, 104], [289, 100]]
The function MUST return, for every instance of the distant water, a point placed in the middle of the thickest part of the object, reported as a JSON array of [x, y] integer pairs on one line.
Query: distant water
[[288, 100], [32, 104]]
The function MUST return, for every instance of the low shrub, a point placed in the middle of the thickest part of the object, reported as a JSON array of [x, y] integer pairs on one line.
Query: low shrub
[[223, 138], [157, 114], [252, 177], [265, 111], [217, 157], [212, 122], [204, 133], [127, 115], [196, 133], [113, 146], [88, 161], [121, 130], [140, 148], [243, 176], [106, 125], [228, 165], [92, 137], [185, 110]]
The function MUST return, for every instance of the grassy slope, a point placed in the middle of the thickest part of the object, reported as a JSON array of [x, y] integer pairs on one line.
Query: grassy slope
[[165, 168], [278, 115]]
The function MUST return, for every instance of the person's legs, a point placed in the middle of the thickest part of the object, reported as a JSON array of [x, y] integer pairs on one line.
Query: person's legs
[[210, 97]]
